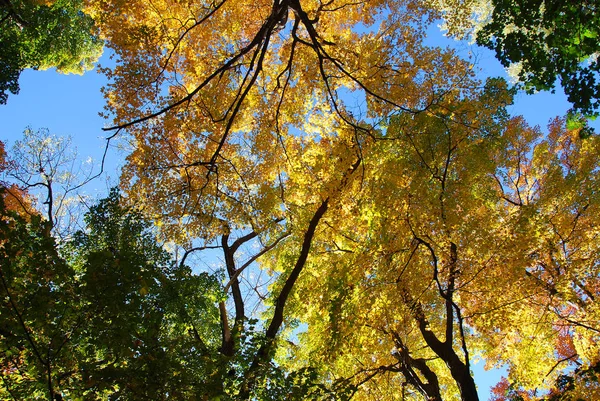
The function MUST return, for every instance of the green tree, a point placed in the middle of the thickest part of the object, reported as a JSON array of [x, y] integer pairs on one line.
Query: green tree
[[40, 310], [116, 317], [150, 322], [546, 40], [42, 34]]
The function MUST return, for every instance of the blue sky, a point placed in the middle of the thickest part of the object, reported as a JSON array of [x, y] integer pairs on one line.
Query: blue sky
[[69, 105]]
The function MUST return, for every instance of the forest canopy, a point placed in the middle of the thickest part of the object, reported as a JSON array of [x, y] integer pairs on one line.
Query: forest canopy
[[317, 204], [42, 34]]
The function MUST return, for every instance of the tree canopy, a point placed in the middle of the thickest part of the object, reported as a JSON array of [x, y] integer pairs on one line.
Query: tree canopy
[[549, 40], [541, 42], [42, 34], [98, 321], [317, 205]]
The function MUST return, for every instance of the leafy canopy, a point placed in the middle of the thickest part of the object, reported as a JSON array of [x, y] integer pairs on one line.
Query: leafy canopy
[[404, 218], [99, 321], [539, 41], [404, 222], [43, 34]]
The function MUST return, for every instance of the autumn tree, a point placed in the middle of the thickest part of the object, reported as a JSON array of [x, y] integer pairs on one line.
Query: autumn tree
[[459, 244], [43, 34], [550, 186], [243, 121], [395, 204], [390, 317], [15, 198]]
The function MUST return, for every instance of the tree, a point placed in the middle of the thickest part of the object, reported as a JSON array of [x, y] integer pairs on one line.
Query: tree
[[390, 317], [241, 126], [97, 323], [131, 296], [43, 34], [39, 304], [47, 167], [447, 241], [466, 238], [149, 322], [549, 40], [540, 41], [15, 198], [402, 235], [549, 183], [401, 231]]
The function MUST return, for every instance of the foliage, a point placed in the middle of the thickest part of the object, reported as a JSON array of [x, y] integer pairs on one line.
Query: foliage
[[406, 233], [42, 34], [242, 129], [100, 322], [548, 40], [15, 198], [218, 104], [140, 304], [39, 306], [580, 384], [356, 252], [403, 247]]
